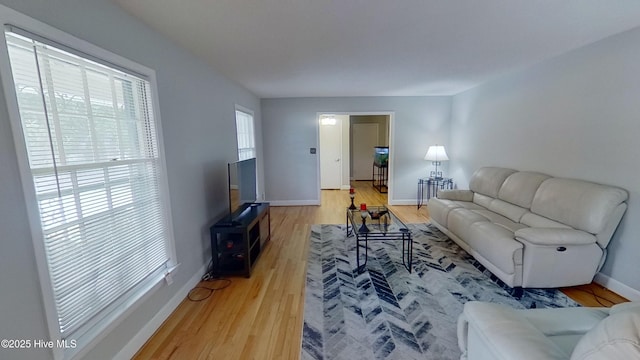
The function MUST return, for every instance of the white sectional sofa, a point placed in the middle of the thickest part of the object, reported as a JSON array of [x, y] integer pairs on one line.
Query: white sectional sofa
[[529, 229]]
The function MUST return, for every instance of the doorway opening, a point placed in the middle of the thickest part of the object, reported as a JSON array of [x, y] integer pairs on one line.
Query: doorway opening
[[347, 143]]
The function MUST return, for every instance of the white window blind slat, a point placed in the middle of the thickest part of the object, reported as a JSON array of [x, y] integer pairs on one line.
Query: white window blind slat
[[91, 142], [245, 135]]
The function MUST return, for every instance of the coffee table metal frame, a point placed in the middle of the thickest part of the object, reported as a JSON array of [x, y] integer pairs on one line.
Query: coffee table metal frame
[[385, 227]]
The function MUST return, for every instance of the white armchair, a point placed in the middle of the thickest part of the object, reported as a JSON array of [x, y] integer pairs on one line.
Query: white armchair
[[494, 331]]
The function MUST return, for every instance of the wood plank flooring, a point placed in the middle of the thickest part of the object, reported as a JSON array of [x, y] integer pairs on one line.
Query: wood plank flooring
[[261, 317]]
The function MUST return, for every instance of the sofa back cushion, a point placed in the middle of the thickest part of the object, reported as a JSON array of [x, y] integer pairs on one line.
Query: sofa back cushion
[[482, 200], [507, 210], [580, 204], [533, 220], [520, 187], [488, 180], [616, 337]]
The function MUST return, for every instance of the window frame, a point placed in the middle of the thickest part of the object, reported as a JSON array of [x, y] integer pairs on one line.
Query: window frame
[[118, 312], [249, 112]]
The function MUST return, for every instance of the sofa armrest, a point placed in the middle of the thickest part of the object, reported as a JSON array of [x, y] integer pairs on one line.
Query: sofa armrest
[[554, 236], [460, 195], [506, 334]]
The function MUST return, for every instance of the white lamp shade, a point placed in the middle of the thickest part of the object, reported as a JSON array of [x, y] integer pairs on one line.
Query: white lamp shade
[[436, 153]]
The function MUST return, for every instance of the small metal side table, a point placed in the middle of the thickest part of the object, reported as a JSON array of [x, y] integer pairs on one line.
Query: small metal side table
[[432, 185], [380, 176]]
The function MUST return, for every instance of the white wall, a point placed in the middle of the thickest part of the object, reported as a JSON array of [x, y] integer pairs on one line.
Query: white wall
[[290, 129], [574, 116], [197, 107]]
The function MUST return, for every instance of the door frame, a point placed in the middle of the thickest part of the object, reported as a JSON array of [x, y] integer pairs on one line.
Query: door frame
[[391, 115]]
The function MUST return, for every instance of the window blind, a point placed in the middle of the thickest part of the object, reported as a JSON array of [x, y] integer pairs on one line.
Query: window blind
[[245, 134], [92, 147]]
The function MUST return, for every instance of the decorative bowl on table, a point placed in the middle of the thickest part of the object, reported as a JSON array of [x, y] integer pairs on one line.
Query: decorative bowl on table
[[377, 213]]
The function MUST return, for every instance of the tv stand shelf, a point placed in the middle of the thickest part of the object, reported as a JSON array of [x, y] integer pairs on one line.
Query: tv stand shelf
[[238, 239]]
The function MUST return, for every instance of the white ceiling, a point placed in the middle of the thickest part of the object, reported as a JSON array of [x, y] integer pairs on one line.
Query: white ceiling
[[300, 48]]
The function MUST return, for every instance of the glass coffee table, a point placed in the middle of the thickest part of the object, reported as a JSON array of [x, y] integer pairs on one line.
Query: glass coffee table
[[375, 224]]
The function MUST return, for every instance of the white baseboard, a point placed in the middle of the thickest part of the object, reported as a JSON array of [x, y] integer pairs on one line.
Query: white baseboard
[[345, 187], [150, 328], [294, 202], [617, 287]]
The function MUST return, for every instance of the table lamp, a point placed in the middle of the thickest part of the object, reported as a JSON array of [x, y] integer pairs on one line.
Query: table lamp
[[436, 154]]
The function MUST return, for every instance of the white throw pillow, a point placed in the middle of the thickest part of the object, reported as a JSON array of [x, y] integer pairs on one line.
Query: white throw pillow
[[616, 337]]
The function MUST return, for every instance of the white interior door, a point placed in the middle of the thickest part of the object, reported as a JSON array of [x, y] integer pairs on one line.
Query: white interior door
[[331, 154], [364, 137]]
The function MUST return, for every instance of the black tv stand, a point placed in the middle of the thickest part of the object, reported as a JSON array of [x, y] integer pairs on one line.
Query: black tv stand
[[231, 223], [238, 239]]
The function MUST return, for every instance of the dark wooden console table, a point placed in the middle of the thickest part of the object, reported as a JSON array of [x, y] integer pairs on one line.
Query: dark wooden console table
[[238, 239]]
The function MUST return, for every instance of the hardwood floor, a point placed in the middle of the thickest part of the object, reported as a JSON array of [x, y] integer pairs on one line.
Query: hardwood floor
[[261, 317]]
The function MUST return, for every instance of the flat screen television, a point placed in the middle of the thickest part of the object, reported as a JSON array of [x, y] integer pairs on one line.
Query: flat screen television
[[242, 184]]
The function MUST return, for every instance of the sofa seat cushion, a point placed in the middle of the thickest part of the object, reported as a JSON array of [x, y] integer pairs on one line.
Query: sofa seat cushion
[[565, 326], [468, 205], [559, 321], [616, 337], [567, 342], [500, 220], [496, 244], [439, 208], [460, 220]]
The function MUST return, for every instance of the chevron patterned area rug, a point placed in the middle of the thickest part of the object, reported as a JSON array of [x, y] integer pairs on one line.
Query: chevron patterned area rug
[[387, 313]]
